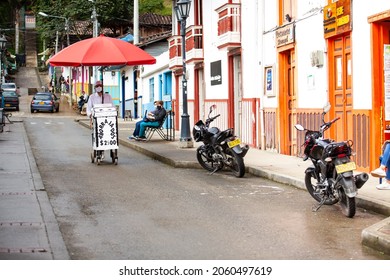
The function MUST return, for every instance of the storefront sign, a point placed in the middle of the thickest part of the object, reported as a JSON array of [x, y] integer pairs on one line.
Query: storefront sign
[[337, 18], [285, 35], [216, 73]]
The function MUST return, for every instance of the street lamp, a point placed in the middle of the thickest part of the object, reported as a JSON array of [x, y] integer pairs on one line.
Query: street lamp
[[182, 10], [3, 43], [66, 24]]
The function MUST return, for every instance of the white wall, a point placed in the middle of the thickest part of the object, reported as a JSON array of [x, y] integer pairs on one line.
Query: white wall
[[268, 14], [212, 53], [361, 40], [312, 88], [251, 70], [153, 71]]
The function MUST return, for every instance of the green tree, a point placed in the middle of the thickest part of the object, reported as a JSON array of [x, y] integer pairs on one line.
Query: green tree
[[116, 15], [151, 6], [10, 21]]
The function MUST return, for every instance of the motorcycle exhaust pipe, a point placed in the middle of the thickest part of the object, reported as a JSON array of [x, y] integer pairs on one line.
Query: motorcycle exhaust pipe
[[361, 179], [241, 151], [245, 149]]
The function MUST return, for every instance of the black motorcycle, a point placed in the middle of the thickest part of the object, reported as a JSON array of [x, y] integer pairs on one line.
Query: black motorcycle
[[220, 148], [330, 179]]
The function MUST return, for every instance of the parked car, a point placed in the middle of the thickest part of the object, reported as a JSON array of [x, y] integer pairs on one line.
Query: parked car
[[11, 100], [8, 86], [45, 101]]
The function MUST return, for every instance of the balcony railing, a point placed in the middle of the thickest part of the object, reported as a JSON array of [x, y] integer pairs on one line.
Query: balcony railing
[[194, 47], [229, 26], [175, 59], [194, 44]]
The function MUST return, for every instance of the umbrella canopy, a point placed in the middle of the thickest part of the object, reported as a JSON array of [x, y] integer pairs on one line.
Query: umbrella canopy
[[101, 51]]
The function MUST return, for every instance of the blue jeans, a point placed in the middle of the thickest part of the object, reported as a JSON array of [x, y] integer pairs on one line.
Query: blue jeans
[[385, 160], [136, 130], [144, 125]]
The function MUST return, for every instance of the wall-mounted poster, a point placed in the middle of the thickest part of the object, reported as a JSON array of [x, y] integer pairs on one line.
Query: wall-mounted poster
[[216, 73], [269, 81]]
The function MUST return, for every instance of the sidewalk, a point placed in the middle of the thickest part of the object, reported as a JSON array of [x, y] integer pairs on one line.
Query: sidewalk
[[280, 168], [28, 227]]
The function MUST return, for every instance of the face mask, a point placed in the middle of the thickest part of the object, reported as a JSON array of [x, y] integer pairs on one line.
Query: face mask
[[99, 89]]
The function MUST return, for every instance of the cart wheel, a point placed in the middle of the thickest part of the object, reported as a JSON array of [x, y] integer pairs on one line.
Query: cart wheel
[[116, 161], [98, 160], [92, 158]]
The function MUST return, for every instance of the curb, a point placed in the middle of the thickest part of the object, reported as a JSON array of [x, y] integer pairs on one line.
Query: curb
[[376, 236], [56, 241]]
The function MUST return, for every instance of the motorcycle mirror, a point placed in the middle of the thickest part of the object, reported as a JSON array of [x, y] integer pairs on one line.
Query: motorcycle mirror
[[212, 107], [327, 107], [299, 127]]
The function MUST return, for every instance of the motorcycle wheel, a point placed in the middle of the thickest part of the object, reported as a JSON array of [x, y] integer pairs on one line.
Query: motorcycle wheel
[[205, 159], [236, 163], [348, 205], [310, 182]]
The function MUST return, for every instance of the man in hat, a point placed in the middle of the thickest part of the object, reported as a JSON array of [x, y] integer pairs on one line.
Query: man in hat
[[98, 97]]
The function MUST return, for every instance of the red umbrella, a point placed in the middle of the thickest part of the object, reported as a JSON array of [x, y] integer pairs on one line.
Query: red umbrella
[[101, 51]]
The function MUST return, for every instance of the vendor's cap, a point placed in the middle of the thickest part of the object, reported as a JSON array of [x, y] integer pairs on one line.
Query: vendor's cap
[[98, 83]]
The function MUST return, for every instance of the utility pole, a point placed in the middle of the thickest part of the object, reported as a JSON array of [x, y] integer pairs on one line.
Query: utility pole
[[95, 34], [136, 23]]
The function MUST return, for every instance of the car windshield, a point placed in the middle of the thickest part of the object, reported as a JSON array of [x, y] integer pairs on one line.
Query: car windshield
[[9, 94], [8, 86], [42, 97]]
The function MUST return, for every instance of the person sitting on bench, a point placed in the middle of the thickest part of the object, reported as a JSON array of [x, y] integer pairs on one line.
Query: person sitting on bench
[[384, 169], [153, 119]]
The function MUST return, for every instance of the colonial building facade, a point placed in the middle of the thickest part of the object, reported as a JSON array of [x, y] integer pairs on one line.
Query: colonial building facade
[[271, 64]]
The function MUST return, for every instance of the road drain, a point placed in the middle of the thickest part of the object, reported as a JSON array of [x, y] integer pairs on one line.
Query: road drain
[[21, 224], [22, 250], [16, 193]]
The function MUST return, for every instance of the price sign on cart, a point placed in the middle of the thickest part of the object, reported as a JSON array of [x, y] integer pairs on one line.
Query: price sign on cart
[[105, 129], [106, 133]]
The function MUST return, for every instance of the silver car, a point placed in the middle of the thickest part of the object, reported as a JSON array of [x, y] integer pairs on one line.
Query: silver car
[[8, 86]]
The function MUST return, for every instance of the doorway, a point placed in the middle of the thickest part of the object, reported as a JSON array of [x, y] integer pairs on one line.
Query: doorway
[[340, 84], [380, 34], [235, 92], [288, 102]]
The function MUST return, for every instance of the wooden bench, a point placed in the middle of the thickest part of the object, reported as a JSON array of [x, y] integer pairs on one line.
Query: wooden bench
[[167, 133]]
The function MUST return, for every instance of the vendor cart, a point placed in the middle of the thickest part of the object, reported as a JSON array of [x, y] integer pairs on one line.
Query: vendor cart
[[104, 132]]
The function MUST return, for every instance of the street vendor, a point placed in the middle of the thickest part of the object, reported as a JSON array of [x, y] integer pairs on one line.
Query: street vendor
[[98, 97]]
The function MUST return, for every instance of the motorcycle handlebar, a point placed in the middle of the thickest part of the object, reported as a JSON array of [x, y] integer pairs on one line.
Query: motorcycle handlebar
[[328, 124], [209, 120], [213, 118], [336, 119]]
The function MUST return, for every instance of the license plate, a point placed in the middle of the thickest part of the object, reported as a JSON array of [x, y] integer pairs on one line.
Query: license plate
[[234, 143], [349, 166], [42, 103], [7, 105]]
